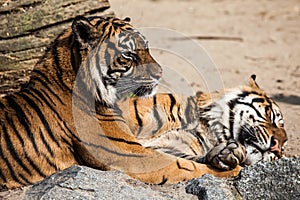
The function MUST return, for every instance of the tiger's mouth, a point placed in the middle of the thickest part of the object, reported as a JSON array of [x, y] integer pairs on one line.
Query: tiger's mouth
[[268, 150]]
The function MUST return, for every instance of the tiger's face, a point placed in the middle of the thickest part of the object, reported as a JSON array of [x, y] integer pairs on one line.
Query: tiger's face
[[258, 125], [117, 61]]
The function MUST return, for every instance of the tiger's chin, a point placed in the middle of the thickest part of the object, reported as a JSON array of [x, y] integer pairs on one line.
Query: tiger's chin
[[255, 156], [146, 91]]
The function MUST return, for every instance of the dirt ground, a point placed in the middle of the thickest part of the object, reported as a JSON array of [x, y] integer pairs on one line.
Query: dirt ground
[[241, 37]]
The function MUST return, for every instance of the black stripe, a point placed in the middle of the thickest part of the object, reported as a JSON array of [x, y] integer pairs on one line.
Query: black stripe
[[156, 116], [104, 25], [173, 101], [22, 118], [46, 143], [264, 134], [231, 105], [45, 100], [137, 116], [50, 162], [139, 120], [55, 55], [109, 150], [8, 164], [236, 101], [1, 173], [74, 135], [119, 140], [2, 106], [189, 110], [34, 166], [257, 112], [272, 112], [2, 177], [246, 93], [10, 147], [57, 64], [202, 143], [27, 182], [179, 113], [258, 100], [42, 118], [66, 141], [163, 181], [73, 63], [112, 120], [241, 115], [17, 133]]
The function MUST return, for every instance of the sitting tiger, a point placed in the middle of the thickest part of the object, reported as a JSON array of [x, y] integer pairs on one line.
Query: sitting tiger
[[38, 135], [41, 126], [239, 126]]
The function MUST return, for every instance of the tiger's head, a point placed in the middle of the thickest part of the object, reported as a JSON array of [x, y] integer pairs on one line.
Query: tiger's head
[[249, 116], [113, 59], [258, 124]]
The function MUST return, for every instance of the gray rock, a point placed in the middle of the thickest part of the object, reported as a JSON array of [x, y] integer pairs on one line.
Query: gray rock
[[79, 182], [209, 187], [273, 180]]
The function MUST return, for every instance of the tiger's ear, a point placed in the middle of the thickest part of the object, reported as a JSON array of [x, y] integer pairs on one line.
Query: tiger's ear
[[252, 82], [85, 33]]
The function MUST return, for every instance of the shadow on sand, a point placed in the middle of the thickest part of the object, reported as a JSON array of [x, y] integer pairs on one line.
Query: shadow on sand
[[290, 99]]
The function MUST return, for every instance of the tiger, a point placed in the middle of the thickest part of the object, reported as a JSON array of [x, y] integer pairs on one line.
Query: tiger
[[49, 124], [38, 136], [224, 129]]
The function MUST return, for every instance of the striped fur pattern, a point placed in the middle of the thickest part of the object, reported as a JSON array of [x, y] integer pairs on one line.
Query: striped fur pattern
[[37, 132], [239, 126]]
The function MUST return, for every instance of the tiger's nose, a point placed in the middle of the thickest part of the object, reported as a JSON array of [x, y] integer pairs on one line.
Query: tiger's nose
[[275, 147], [157, 74]]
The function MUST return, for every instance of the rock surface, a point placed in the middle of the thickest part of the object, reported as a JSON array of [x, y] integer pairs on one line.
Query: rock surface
[[79, 182], [209, 187], [275, 180]]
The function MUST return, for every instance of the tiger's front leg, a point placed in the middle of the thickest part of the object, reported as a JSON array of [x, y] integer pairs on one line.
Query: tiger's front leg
[[226, 155]]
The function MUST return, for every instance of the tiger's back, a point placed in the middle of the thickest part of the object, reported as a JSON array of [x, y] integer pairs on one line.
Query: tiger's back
[[35, 135]]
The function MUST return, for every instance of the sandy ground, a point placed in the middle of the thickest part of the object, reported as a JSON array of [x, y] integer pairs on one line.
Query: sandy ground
[[241, 37]]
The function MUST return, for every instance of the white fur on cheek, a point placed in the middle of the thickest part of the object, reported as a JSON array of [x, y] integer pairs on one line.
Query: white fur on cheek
[[107, 94], [253, 155]]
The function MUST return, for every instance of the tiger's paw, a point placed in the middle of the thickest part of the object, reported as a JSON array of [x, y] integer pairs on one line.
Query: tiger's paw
[[226, 155]]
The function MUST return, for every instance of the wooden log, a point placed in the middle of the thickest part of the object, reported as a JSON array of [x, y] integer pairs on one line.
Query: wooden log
[[27, 27]]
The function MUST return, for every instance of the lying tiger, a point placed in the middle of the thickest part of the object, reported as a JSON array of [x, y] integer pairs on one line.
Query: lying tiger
[[239, 126], [40, 134]]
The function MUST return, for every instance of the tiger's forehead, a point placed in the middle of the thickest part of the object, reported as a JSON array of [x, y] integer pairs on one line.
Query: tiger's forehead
[[121, 32], [258, 98], [110, 22], [132, 40]]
